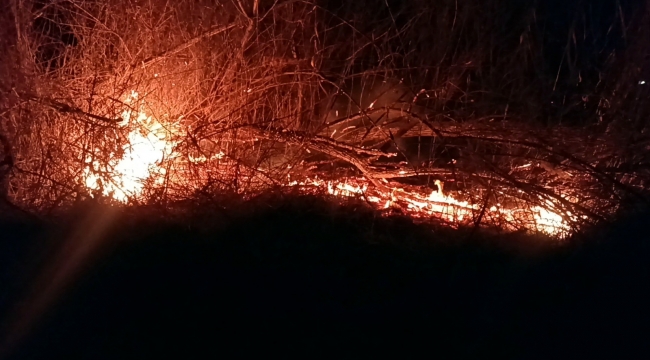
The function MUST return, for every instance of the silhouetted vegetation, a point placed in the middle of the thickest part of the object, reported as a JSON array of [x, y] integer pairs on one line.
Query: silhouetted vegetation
[[300, 276], [528, 103], [210, 246]]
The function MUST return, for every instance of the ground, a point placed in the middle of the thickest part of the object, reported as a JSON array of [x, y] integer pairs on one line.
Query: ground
[[307, 278]]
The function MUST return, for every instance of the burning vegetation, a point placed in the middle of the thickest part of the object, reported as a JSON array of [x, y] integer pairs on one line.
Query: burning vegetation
[[149, 102]]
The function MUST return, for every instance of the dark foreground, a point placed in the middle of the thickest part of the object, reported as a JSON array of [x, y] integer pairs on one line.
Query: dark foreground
[[305, 280]]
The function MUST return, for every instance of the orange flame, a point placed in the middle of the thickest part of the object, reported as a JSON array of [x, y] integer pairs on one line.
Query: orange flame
[[446, 207], [148, 145]]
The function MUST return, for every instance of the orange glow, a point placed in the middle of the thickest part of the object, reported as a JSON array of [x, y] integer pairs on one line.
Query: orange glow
[[445, 207], [148, 145]]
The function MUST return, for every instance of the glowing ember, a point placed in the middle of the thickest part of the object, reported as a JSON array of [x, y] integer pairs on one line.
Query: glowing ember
[[149, 143], [548, 221], [147, 147], [442, 206]]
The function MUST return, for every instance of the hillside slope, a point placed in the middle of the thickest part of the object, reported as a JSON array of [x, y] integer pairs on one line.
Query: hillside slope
[[302, 278]]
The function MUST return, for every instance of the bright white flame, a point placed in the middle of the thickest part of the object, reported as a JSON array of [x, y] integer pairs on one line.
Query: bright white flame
[[149, 144], [145, 150], [202, 158]]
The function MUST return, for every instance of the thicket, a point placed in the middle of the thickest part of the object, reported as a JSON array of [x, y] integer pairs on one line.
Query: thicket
[[512, 103]]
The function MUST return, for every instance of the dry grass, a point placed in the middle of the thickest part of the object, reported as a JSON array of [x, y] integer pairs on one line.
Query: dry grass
[[260, 91]]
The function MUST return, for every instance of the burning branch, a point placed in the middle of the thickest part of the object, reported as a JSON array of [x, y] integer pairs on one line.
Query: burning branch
[[286, 92], [69, 109], [327, 146]]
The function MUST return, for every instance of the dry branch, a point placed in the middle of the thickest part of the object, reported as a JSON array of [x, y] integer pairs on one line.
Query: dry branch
[[175, 50], [70, 109], [468, 121]]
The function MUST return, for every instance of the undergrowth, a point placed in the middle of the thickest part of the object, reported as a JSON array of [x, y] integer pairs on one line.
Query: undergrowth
[[302, 275]]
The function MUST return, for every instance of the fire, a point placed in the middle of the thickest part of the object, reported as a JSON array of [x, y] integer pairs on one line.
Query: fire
[[149, 143], [442, 206], [147, 146]]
